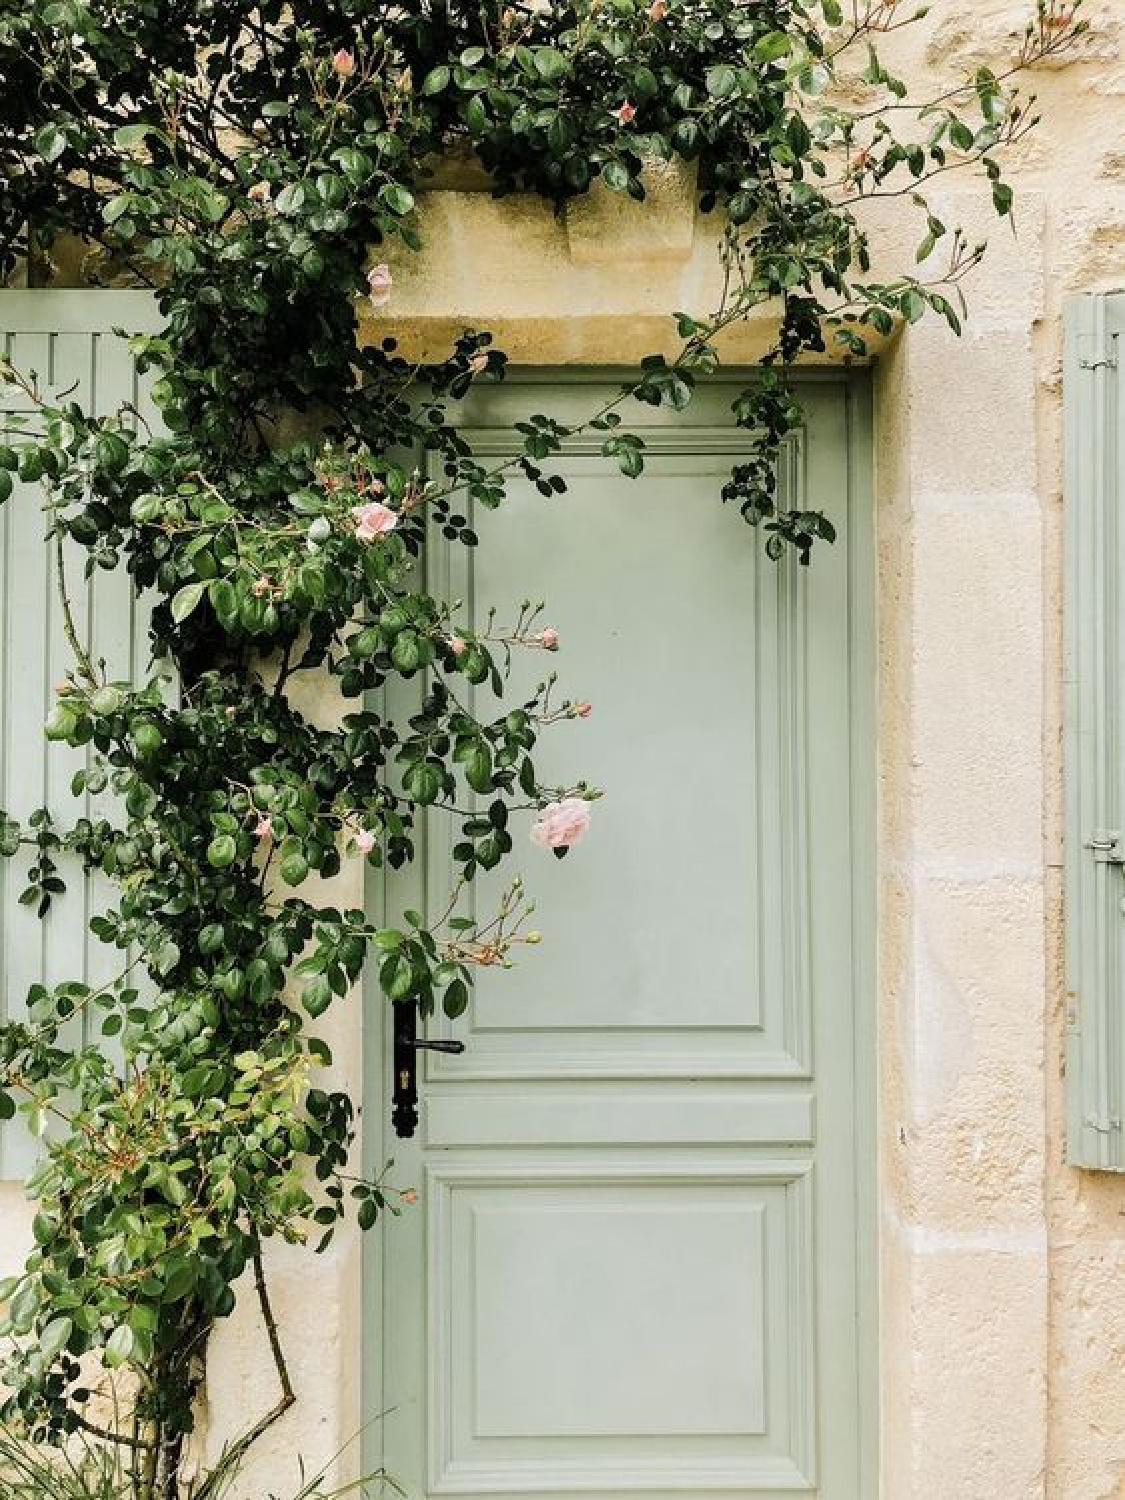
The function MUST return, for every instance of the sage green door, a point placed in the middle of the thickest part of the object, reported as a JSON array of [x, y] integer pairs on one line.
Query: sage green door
[[639, 1263]]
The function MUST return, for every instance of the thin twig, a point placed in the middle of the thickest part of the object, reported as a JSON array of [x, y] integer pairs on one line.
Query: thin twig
[[85, 665], [123, 1438], [234, 1451]]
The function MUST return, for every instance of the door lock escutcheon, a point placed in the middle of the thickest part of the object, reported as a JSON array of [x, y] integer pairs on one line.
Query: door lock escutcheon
[[1105, 845], [404, 1065]]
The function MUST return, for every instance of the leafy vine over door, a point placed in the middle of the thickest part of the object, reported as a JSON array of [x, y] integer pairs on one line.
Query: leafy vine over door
[[245, 167]]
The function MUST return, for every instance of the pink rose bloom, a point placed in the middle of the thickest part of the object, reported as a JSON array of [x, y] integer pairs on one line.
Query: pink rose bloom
[[379, 285], [583, 710], [365, 841], [658, 10], [259, 193], [263, 828], [343, 63], [458, 645], [374, 520], [549, 639], [561, 824], [478, 364], [625, 114]]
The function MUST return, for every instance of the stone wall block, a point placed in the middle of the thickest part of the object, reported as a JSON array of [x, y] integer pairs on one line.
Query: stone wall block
[[979, 1376], [604, 228], [977, 683], [975, 1133]]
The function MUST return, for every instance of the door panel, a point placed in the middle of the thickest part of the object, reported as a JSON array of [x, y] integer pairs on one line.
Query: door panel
[[634, 1263]]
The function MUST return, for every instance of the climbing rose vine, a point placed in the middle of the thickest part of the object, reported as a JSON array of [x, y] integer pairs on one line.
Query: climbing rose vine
[[257, 166]]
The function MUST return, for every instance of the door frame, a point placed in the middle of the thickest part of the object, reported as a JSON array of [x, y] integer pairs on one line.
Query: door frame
[[857, 386]]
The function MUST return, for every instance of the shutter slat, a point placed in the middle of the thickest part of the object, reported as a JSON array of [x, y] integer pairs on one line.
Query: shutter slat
[[67, 339], [1094, 398]]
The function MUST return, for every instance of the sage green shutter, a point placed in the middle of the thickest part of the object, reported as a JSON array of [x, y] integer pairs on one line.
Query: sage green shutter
[[1095, 730], [67, 339]]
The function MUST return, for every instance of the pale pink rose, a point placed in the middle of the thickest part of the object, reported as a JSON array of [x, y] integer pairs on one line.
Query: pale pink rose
[[409, 1195], [458, 645], [365, 841], [374, 520], [263, 828], [583, 710], [343, 63], [259, 193], [379, 285], [260, 587], [479, 363], [657, 10], [549, 639], [561, 824], [625, 114]]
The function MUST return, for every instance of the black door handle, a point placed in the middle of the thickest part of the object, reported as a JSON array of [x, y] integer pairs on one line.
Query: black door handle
[[407, 1045]]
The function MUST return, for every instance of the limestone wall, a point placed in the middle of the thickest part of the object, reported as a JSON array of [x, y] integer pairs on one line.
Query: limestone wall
[[1003, 1321]]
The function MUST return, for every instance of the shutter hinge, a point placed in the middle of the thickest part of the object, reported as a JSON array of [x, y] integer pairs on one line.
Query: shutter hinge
[[1106, 356], [1105, 847]]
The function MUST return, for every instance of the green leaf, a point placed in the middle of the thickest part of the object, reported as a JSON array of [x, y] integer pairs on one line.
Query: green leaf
[[773, 45], [291, 199], [50, 142], [550, 63], [5, 485], [478, 769], [615, 175], [294, 868], [224, 601], [686, 137], [181, 1280], [721, 80], [913, 305], [316, 996], [55, 1337], [186, 600], [397, 198], [396, 975], [119, 1346], [406, 653], [147, 738], [436, 80], [62, 723], [129, 136], [455, 1002], [422, 783], [222, 851]]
